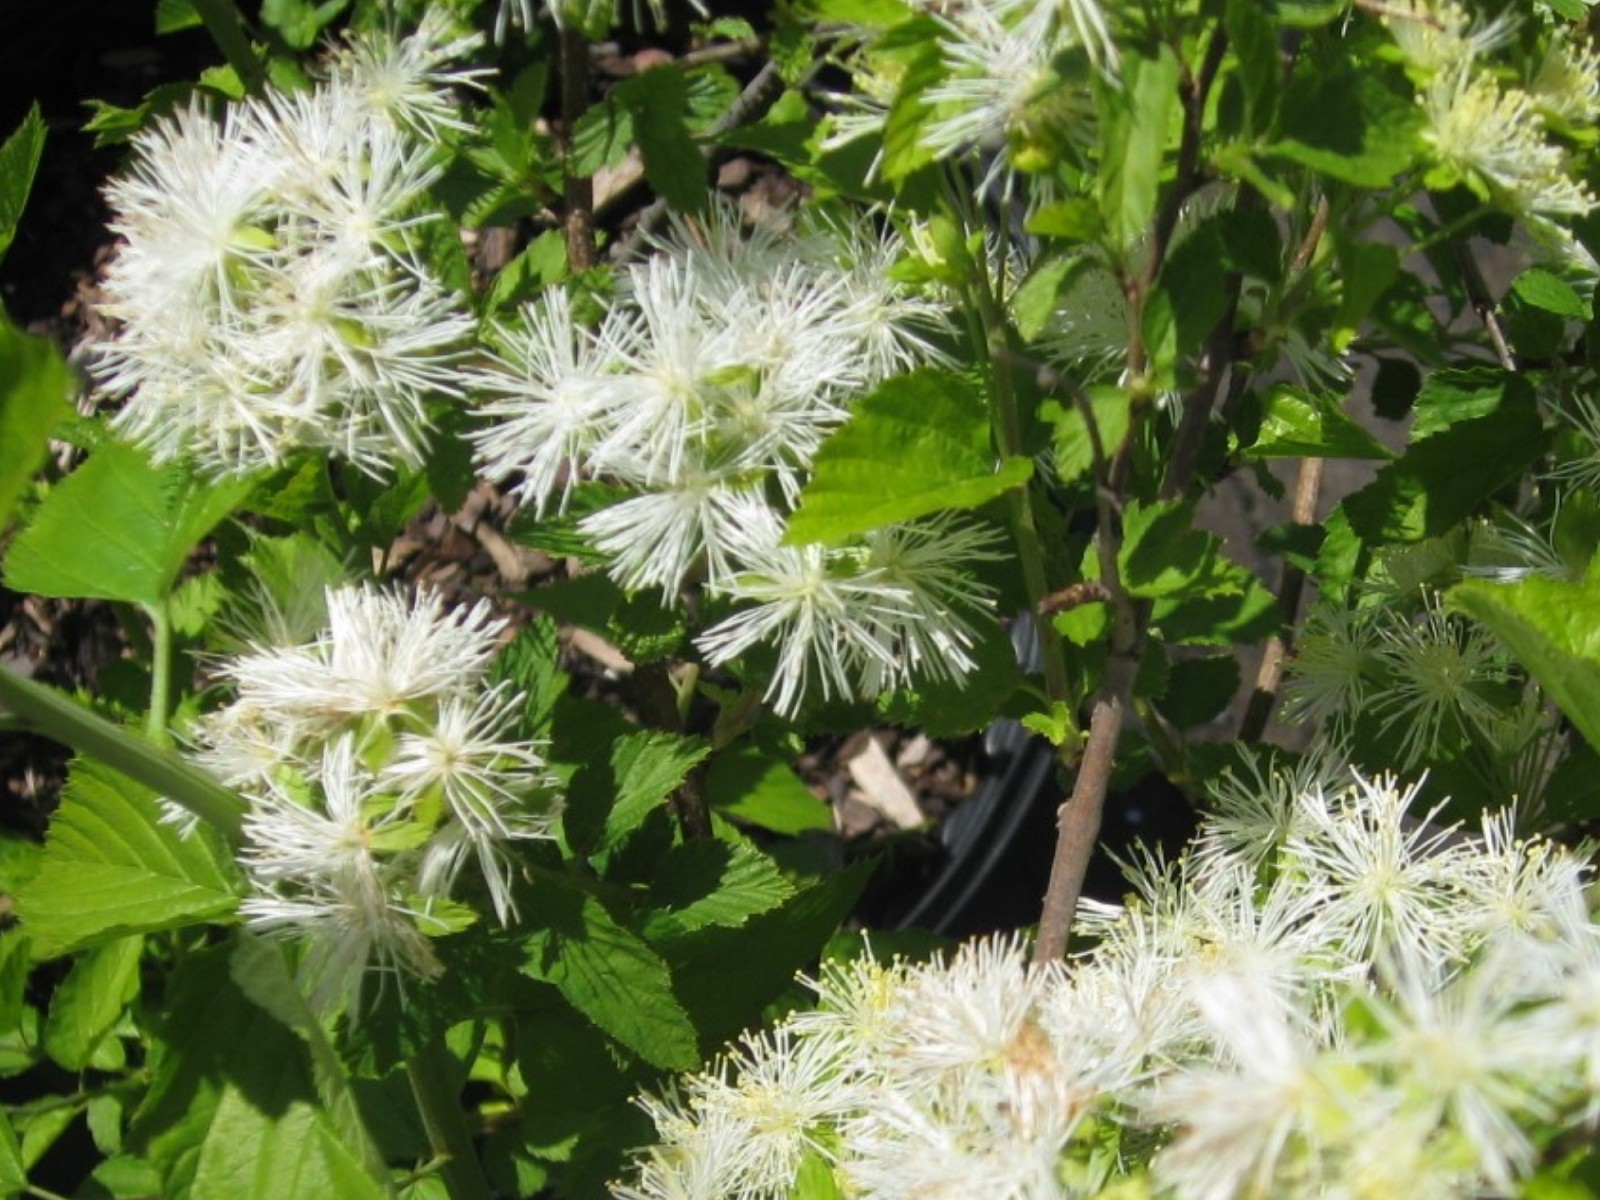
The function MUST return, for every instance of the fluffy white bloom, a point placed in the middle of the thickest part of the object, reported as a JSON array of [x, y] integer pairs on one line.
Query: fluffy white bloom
[[378, 763], [1231, 1033], [1333, 669], [267, 293], [1387, 879], [855, 620], [1437, 666]]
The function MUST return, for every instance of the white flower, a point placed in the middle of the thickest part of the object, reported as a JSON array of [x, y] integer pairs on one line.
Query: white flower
[[408, 81], [267, 290], [1246, 1124], [1332, 672], [556, 390], [1388, 880], [490, 781], [308, 848], [1493, 136], [382, 652], [1461, 1053], [1436, 666]]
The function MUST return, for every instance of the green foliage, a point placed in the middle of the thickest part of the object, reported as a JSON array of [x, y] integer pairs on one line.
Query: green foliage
[[745, 784], [112, 868], [1553, 627], [918, 445], [33, 401], [118, 528], [19, 161]]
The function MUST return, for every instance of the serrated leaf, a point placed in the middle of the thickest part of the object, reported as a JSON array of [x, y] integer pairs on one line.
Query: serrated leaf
[[764, 792], [1347, 121], [1450, 397], [705, 882], [647, 768], [1074, 444], [1552, 626], [111, 868], [33, 401], [1548, 292], [118, 528], [173, 16], [299, 21], [531, 663], [537, 267], [953, 706], [256, 1152], [1442, 478], [1296, 424], [601, 137], [920, 444], [609, 975], [1136, 122], [673, 164], [13, 1175], [769, 949], [19, 160], [90, 1000]]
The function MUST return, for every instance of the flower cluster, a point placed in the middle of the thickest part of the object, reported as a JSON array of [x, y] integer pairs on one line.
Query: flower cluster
[[706, 390], [1500, 139], [1012, 77], [268, 287], [1326, 996], [378, 764]]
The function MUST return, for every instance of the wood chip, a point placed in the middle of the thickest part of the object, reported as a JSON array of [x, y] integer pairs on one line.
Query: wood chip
[[882, 788]]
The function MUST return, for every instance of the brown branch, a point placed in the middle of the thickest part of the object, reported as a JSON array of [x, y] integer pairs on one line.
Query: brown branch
[[578, 190], [1078, 822], [1269, 676]]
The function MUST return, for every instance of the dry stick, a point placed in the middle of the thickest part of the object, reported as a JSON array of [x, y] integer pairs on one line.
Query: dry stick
[[1302, 511], [1078, 820], [1483, 303], [578, 189], [1269, 676]]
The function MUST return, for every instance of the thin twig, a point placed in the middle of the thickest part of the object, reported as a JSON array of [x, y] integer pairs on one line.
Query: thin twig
[[1291, 587], [758, 96], [1483, 303], [1078, 821], [578, 189]]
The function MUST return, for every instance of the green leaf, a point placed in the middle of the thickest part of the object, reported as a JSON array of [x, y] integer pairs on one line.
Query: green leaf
[[1548, 292], [637, 625], [33, 401], [90, 1001], [768, 949], [609, 975], [1254, 42], [531, 662], [747, 785], [541, 264], [705, 882], [1443, 477], [953, 706], [118, 528], [19, 160], [905, 151], [647, 767], [1297, 424], [602, 137], [1449, 397], [112, 868], [1073, 444], [299, 21], [1035, 301], [1348, 122], [1198, 689], [659, 101], [287, 1148], [1552, 626], [1162, 553], [1136, 122], [920, 444], [174, 16], [13, 1175]]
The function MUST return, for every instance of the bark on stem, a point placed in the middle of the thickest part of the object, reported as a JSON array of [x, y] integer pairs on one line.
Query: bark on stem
[[577, 190]]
